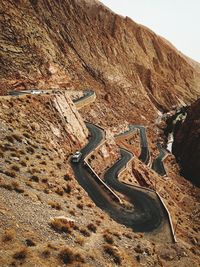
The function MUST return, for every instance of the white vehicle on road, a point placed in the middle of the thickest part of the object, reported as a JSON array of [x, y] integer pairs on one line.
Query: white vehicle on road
[[77, 156]]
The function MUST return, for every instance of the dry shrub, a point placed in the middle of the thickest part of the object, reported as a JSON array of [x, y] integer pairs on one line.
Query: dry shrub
[[27, 135], [59, 165], [21, 254], [92, 227], [30, 242], [10, 174], [8, 235], [62, 224], [46, 253], [17, 137], [80, 240], [67, 188], [9, 138], [68, 256], [114, 253], [80, 206], [35, 178], [108, 238], [67, 177], [59, 190], [23, 163], [43, 162], [15, 168], [16, 187], [55, 205], [84, 232], [30, 150]]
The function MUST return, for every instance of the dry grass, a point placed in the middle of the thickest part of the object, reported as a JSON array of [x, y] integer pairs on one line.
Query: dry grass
[[92, 227], [15, 168], [35, 178], [68, 256], [114, 253], [8, 235], [10, 174], [108, 238], [21, 254], [55, 205], [62, 225]]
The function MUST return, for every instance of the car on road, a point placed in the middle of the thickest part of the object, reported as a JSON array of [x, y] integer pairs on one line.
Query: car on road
[[77, 156]]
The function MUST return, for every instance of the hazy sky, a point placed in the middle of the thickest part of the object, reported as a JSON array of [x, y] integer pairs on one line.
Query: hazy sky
[[176, 20]]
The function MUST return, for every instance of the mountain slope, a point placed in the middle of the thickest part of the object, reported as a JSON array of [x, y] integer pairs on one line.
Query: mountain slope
[[60, 43]]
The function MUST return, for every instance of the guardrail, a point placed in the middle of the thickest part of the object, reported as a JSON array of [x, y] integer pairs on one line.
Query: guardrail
[[169, 217], [117, 198], [86, 99], [158, 195]]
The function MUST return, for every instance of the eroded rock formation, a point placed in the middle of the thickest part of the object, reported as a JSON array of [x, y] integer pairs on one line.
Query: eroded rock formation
[[186, 145]]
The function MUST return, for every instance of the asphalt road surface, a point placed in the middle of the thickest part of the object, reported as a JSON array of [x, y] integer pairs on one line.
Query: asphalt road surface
[[144, 156], [147, 213], [157, 165]]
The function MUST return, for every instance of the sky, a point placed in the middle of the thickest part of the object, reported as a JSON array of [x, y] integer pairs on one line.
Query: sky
[[176, 20]]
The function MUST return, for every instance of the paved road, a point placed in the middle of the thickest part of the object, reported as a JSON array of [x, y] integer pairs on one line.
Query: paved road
[[147, 214], [157, 165], [144, 155], [87, 93]]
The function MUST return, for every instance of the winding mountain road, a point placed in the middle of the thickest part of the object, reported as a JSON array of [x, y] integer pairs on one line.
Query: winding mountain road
[[158, 165], [144, 155], [147, 214]]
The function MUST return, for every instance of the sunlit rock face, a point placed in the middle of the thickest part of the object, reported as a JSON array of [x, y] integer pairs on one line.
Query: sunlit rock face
[[77, 44]]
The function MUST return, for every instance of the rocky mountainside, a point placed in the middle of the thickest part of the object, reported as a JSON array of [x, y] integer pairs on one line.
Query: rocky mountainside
[[60, 43], [186, 144], [46, 217]]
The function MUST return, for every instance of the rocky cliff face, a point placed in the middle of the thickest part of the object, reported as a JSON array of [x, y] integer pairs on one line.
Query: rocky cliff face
[[82, 43], [186, 144]]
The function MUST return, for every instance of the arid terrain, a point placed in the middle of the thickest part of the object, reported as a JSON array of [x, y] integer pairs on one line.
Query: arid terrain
[[46, 217]]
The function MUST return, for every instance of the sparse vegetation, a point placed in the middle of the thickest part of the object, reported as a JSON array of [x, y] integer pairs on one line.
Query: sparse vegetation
[[15, 168], [55, 205], [113, 252], [62, 225], [23, 163], [80, 206], [92, 227], [30, 150], [84, 232], [17, 137], [10, 174], [108, 238], [10, 139], [35, 178], [8, 235], [67, 256], [67, 177], [21, 254]]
